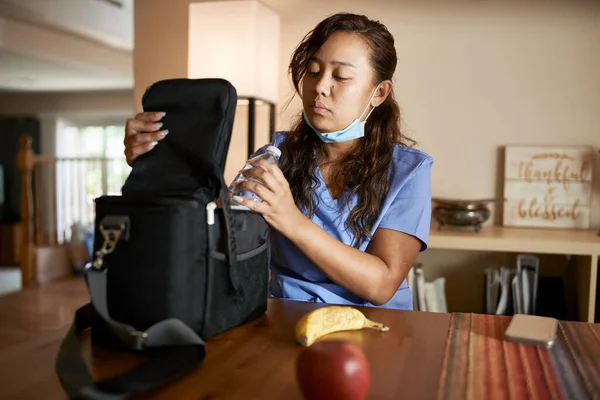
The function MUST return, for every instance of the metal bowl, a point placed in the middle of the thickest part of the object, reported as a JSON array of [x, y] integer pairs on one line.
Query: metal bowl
[[456, 217], [461, 212]]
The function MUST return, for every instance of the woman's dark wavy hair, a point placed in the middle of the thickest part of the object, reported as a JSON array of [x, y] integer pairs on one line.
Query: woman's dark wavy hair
[[365, 170]]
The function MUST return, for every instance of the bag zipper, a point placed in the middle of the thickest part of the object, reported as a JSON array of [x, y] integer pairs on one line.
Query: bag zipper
[[210, 213], [145, 200]]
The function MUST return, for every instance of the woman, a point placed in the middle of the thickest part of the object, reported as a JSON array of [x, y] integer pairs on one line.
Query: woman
[[350, 202]]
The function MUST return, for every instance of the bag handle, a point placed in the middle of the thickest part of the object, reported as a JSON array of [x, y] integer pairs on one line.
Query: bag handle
[[173, 348]]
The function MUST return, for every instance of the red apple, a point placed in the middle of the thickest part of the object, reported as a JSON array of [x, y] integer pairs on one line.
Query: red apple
[[333, 370]]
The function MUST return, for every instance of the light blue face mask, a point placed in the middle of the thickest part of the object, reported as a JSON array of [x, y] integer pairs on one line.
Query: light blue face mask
[[353, 131]]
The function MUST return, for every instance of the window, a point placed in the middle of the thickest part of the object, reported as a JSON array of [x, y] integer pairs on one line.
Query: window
[[90, 163]]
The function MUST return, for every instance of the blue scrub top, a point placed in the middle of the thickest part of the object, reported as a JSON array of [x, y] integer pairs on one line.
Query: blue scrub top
[[406, 208]]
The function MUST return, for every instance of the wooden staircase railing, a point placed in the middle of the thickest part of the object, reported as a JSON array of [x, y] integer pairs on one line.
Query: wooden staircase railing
[[26, 163], [40, 199]]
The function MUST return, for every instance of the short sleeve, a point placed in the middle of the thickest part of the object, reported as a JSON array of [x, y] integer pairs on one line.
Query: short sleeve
[[277, 139], [410, 209]]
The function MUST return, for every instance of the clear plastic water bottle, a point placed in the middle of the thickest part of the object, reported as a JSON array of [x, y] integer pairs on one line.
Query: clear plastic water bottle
[[271, 154]]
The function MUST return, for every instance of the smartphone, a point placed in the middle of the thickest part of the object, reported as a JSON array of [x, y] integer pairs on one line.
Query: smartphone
[[532, 329]]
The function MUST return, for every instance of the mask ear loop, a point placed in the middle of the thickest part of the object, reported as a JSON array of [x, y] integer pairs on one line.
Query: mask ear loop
[[367, 117], [368, 104]]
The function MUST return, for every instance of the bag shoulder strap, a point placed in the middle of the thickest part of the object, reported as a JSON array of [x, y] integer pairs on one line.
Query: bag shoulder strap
[[173, 349]]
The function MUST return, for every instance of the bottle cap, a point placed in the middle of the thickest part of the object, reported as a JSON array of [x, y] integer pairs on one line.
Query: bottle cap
[[274, 150]]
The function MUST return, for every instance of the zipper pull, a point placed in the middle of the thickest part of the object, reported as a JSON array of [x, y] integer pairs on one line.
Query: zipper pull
[[210, 213]]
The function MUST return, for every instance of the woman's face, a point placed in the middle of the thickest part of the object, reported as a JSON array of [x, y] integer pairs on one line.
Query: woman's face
[[338, 83]]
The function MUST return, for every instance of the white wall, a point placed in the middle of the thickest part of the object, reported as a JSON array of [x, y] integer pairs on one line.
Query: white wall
[[475, 76], [102, 106]]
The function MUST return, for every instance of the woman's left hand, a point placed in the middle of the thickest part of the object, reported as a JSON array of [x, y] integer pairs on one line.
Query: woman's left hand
[[278, 206]]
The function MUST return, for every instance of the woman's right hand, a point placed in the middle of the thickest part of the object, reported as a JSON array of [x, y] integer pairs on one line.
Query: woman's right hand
[[142, 133]]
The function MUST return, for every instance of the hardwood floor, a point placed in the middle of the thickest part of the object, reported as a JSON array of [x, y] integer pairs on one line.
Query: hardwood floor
[[40, 309]]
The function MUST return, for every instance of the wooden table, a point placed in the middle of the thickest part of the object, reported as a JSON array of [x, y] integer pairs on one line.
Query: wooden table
[[254, 361]]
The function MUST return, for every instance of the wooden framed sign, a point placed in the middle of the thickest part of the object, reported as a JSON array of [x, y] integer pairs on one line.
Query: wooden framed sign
[[547, 186]]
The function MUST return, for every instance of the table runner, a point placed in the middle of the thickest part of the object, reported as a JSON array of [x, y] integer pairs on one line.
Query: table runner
[[479, 364]]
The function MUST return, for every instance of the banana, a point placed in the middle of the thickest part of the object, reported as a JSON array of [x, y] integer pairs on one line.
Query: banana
[[326, 320]]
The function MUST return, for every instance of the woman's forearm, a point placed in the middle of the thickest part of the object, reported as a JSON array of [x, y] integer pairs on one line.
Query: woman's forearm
[[359, 272]]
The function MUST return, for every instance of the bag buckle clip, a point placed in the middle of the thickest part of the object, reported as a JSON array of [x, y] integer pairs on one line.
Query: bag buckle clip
[[138, 339], [111, 233]]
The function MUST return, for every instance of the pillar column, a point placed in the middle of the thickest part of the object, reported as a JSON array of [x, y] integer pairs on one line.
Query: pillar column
[[197, 39]]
